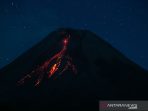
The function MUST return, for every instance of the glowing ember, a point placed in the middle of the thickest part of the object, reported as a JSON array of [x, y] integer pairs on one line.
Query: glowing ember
[[50, 68], [65, 41]]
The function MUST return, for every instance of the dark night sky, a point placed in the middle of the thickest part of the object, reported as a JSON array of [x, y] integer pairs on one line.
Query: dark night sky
[[123, 23]]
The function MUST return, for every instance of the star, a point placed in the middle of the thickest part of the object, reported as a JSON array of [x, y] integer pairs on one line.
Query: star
[[121, 24], [85, 25], [95, 7], [104, 17], [106, 32], [104, 22], [12, 3], [24, 27], [7, 59]]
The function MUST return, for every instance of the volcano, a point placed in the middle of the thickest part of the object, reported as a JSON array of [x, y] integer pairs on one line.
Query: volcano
[[70, 70]]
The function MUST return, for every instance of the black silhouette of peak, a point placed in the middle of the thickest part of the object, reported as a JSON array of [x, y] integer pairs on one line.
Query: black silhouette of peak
[[103, 73]]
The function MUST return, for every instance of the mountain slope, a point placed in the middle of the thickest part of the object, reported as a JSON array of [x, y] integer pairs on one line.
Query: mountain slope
[[102, 73]]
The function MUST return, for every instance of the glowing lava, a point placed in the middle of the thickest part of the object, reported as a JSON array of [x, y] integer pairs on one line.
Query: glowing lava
[[53, 65]]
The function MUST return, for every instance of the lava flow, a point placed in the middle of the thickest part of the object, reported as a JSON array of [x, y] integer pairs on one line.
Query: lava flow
[[59, 63]]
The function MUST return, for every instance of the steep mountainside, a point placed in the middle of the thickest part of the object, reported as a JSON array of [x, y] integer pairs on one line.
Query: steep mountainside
[[70, 70]]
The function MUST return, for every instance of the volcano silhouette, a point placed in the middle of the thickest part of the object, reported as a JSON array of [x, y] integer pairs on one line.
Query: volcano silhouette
[[70, 70]]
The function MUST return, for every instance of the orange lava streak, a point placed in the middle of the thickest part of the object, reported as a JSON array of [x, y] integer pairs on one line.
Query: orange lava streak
[[45, 69], [53, 69]]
